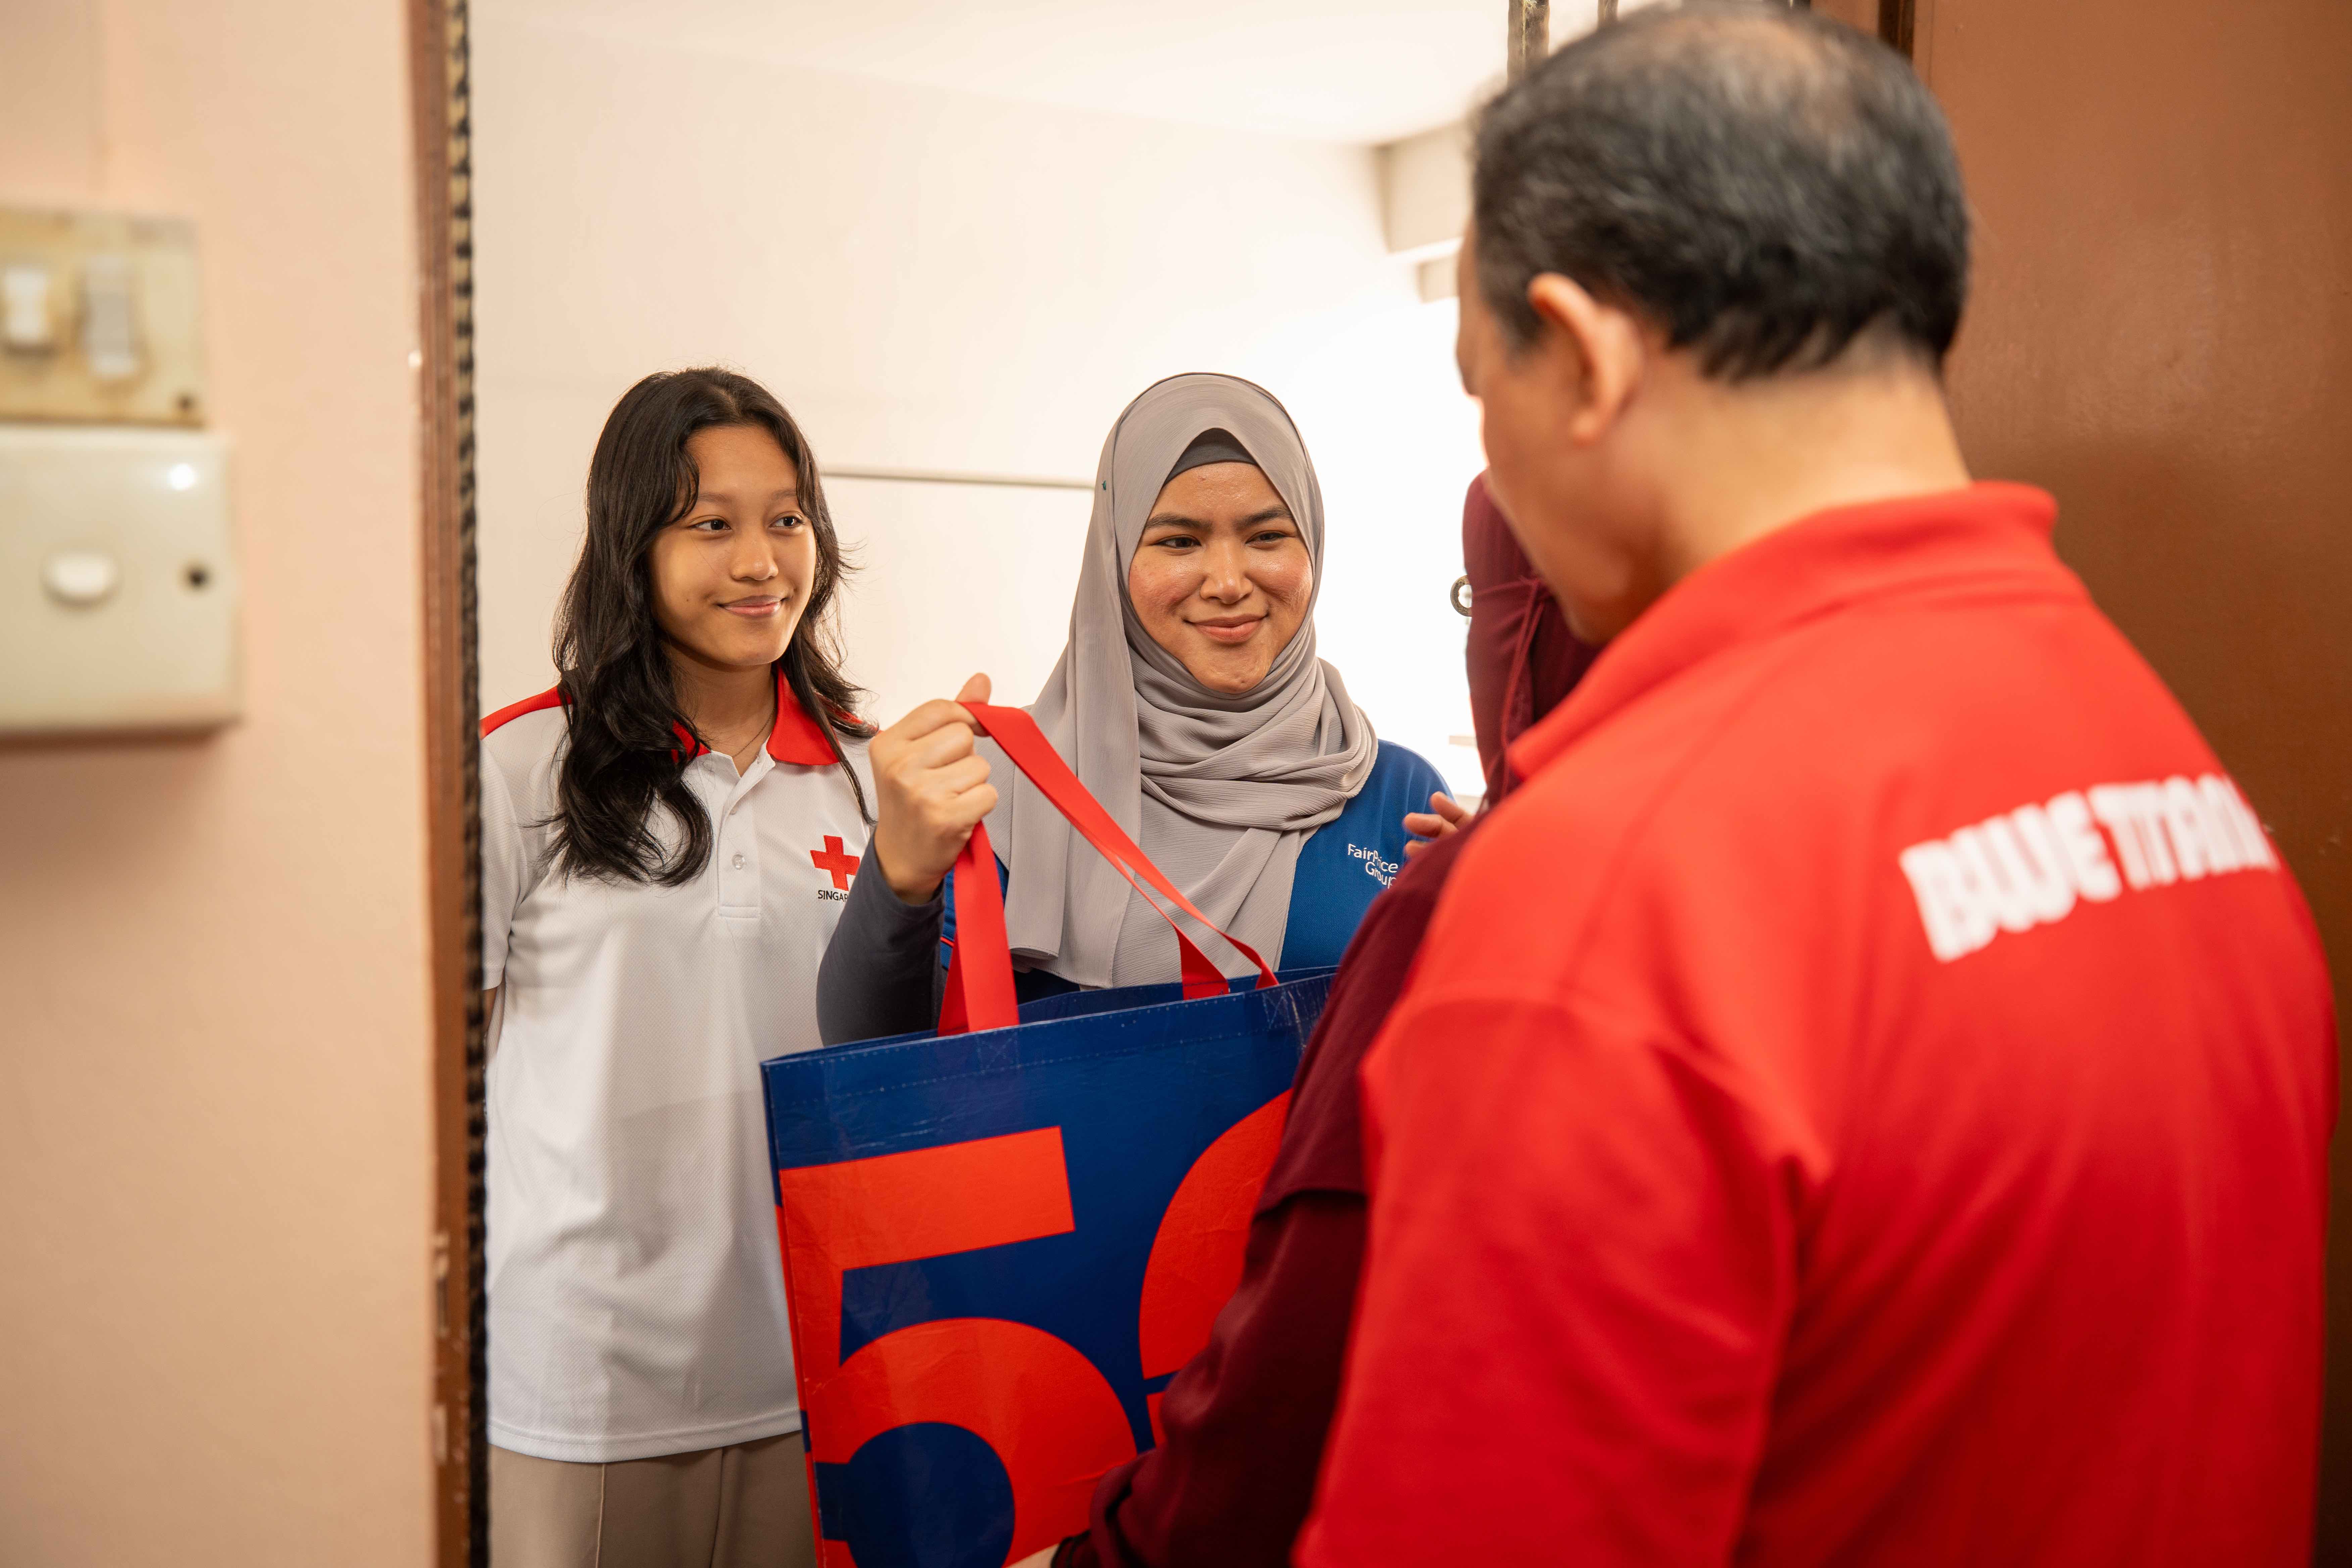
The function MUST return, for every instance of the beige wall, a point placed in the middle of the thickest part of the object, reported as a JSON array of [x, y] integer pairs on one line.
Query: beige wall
[[215, 1145]]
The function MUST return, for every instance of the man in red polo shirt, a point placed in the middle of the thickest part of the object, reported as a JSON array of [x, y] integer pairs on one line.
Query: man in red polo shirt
[[1864, 1096]]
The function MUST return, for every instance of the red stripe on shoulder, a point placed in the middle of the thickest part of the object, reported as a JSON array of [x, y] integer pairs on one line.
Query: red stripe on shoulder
[[552, 698]]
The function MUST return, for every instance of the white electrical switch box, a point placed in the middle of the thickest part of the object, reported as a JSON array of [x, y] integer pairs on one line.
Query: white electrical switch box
[[118, 592]]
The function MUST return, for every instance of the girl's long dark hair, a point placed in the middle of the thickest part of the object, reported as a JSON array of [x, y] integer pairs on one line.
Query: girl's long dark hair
[[612, 669]]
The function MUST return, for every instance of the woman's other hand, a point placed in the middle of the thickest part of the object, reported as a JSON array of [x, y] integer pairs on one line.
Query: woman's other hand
[[932, 788], [1445, 814]]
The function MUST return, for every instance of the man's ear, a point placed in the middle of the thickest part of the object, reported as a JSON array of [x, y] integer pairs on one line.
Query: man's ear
[[1604, 357]]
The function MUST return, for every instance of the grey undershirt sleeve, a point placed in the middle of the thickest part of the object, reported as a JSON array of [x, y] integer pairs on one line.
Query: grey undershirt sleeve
[[881, 972]]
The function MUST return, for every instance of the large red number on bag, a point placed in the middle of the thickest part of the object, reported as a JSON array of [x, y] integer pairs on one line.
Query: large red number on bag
[[1053, 1421], [1197, 1256]]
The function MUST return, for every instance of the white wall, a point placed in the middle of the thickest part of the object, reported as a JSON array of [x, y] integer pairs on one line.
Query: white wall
[[1426, 188], [949, 280]]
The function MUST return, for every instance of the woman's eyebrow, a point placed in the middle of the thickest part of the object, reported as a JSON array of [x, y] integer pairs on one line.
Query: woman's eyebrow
[[1178, 519]]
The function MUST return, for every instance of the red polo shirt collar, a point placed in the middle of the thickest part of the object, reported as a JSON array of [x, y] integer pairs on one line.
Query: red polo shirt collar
[[1988, 537], [796, 739]]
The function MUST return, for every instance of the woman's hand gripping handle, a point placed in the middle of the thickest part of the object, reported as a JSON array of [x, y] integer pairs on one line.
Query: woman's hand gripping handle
[[932, 787]]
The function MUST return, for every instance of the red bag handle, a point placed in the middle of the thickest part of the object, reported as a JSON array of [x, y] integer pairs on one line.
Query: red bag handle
[[980, 993]]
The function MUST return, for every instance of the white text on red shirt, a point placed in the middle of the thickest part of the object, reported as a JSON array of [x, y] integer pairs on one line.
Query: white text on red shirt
[[2028, 866]]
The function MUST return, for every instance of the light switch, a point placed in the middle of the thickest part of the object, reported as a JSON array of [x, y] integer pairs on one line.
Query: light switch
[[100, 318], [118, 590], [109, 321], [80, 576], [28, 319]]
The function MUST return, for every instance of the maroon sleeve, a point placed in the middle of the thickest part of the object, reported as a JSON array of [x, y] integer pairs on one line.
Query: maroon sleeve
[[1242, 1426], [1242, 1423], [1323, 1140]]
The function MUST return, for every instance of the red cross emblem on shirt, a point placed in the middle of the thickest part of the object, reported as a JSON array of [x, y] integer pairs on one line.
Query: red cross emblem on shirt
[[831, 859]]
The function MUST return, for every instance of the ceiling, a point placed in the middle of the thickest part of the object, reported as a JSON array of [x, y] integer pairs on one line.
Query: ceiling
[[1336, 70]]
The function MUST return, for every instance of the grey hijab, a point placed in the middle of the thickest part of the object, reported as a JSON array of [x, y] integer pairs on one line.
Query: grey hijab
[[1219, 791]]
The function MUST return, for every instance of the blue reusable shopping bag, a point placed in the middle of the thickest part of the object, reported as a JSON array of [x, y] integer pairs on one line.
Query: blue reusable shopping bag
[[1000, 1244]]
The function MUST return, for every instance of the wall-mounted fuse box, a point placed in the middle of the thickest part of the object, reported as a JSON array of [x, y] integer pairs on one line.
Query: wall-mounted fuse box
[[118, 593]]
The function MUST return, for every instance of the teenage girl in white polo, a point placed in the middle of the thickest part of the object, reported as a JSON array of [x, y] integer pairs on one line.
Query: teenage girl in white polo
[[667, 839]]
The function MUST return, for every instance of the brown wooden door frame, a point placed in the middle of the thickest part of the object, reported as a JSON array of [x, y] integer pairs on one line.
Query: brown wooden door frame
[[440, 113], [1897, 21]]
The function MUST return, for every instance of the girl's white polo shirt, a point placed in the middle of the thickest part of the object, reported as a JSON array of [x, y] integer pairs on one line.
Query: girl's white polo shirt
[[637, 1302]]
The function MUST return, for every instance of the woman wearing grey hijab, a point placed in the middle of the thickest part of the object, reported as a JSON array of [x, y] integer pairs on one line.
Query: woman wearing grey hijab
[[1188, 700]]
